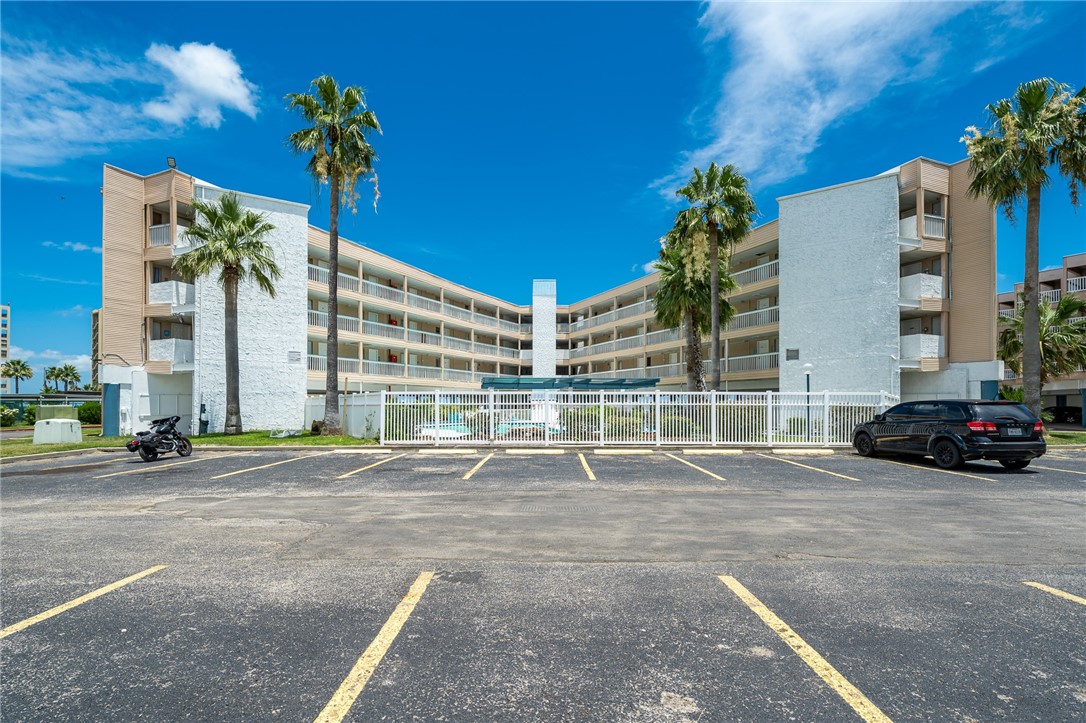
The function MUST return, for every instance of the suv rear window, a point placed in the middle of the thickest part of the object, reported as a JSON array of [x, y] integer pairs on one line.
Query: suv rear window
[[992, 412]]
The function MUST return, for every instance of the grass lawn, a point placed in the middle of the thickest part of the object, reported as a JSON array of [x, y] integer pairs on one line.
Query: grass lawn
[[23, 446], [1058, 438]]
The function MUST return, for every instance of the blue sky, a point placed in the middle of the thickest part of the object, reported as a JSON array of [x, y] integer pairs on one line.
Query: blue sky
[[527, 140]]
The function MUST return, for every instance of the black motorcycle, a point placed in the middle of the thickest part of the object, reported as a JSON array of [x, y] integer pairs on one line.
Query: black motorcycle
[[162, 439]]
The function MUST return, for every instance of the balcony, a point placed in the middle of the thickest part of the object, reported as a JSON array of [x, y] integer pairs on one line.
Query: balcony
[[630, 342], [452, 342], [509, 325], [1051, 297], [345, 323], [423, 337], [488, 349], [457, 312], [1076, 284], [382, 369], [600, 348], [934, 226], [457, 375], [346, 365], [755, 274], [750, 363], [179, 352], [922, 346], [418, 371], [633, 310], [918, 286], [485, 320], [663, 372], [174, 293], [385, 331], [1008, 374], [761, 317], [662, 336], [422, 302], [381, 291], [319, 274], [1006, 313]]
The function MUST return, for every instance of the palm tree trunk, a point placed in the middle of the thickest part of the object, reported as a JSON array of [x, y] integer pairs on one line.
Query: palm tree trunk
[[695, 371], [233, 397], [331, 379], [714, 293], [1031, 325]]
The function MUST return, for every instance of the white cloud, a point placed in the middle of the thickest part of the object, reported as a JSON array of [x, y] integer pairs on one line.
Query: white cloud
[[206, 78], [52, 357], [650, 267], [73, 246], [77, 310], [794, 69], [59, 104], [51, 280]]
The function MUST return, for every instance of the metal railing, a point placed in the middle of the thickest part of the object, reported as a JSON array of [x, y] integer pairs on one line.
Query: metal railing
[[160, 235], [423, 337], [1052, 297], [452, 342], [422, 302], [1077, 283], [760, 317], [1007, 313], [633, 309], [381, 291], [457, 312], [345, 323], [750, 362], [664, 335], [639, 418], [485, 320], [387, 331], [934, 226], [758, 273], [317, 363]]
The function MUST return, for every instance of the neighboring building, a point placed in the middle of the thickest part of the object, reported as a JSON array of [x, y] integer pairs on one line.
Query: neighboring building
[[6, 385], [851, 279], [1070, 278]]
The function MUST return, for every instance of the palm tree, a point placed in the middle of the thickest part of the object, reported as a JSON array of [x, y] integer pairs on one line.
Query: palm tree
[[230, 240], [52, 374], [1063, 338], [1042, 126], [16, 369], [723, 211], [69, 375], [341, 155], [680, 302]]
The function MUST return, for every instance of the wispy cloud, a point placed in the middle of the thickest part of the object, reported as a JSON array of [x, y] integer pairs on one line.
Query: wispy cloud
[[791, 70], [77, 310], [59, 104], [645, 268], [51, 280], [72, 246], [52, 357]]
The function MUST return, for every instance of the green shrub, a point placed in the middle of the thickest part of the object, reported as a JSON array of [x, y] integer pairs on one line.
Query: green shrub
[[90, 413], [738, 420], [8, 415], [30, 415]]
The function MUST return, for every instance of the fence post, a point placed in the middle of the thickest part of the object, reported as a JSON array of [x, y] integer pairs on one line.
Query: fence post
[[769, 418], [546, 421], [656, 423], [490, 404], [825, 418], [601, 417], [437, 418], [382, 410], [714, 433]]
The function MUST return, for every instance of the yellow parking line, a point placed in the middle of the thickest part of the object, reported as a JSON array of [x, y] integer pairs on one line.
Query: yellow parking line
[[370, 466], [699, 469], [478, 467], [806, 466], [73, 466], [171, 465], [587, 469], [940, 469], [273, 464], [848, 692], [78, 601], [1057, 469], [1056, 592], [356, 680]]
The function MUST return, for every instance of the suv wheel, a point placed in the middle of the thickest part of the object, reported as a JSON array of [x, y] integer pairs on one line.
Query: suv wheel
[[946, 454], [863, 444], [1014, 463]]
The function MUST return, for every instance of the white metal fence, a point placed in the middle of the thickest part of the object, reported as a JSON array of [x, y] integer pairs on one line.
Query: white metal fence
[[360, 414], [625, 417]]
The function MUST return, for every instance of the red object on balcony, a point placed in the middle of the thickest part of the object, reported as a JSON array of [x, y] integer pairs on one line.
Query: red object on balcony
[[393, 358], [393, 322]]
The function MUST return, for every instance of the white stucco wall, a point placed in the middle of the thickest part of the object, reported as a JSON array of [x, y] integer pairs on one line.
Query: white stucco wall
[[958, 381], [271, 332], [839, 269], [544, 327]]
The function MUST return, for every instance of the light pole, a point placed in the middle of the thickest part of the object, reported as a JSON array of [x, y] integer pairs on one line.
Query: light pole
[[807, 369]]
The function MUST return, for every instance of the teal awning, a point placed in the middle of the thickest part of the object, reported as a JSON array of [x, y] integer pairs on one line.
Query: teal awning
[[510, 383]]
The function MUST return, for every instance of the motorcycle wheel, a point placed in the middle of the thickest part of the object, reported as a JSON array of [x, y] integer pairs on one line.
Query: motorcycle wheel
[[148, 456], [184, 447]]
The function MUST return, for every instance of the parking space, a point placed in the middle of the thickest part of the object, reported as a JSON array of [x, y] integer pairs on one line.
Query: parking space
[[401, 585]]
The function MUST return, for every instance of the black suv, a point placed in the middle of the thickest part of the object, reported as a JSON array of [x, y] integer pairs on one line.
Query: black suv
[[953, 431]]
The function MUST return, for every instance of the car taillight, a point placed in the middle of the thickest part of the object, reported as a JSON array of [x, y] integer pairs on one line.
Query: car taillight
[[1038, 428], [982, 427]]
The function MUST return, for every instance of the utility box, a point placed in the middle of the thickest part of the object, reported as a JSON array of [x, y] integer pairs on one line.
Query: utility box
[[52, 431], [57, 411]]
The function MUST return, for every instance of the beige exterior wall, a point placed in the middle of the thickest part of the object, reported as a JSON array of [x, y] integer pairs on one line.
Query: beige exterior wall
[[124, 233], [971, 327]]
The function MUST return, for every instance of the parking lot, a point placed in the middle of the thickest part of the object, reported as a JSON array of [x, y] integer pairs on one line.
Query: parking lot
[[568, 585]]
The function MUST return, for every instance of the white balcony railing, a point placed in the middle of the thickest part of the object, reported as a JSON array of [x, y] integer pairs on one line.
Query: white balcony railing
[[485, 320], [1006, 313], [489, 349], [758, 273], [934, 226], [317, 363], [1077, 283], [318, 274], [508, 352], [422, 302], [562, 355], [659, 337], [526, 355], [387, 331], [750, 362], [630, 342], [919, 286], [561, 328], [176, 351], [383, 369], [592, 349], [160, 235], [457, 375], [345, 323], [457, 312], [633, 310], [452, 342], [527, 328], [1009, 374], [922, 346], [1052, 297], [760, 317], [175, 293], [381, 291], [348, 282], [509, 325], [418, 371], [423, 337]]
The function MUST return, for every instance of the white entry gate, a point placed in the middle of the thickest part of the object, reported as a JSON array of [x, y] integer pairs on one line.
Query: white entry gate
[[601, 418]]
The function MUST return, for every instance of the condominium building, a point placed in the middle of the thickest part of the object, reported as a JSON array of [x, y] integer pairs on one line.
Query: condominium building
[[852, 285], [1069, 278], [6, 385]]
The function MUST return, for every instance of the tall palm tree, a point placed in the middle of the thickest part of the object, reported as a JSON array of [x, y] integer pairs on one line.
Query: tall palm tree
[[682, 301], [52, 374], [1062, 331], [16, 369], [341, 155], [69, 375], [1042, 126], [229, 240], [723, 211]]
